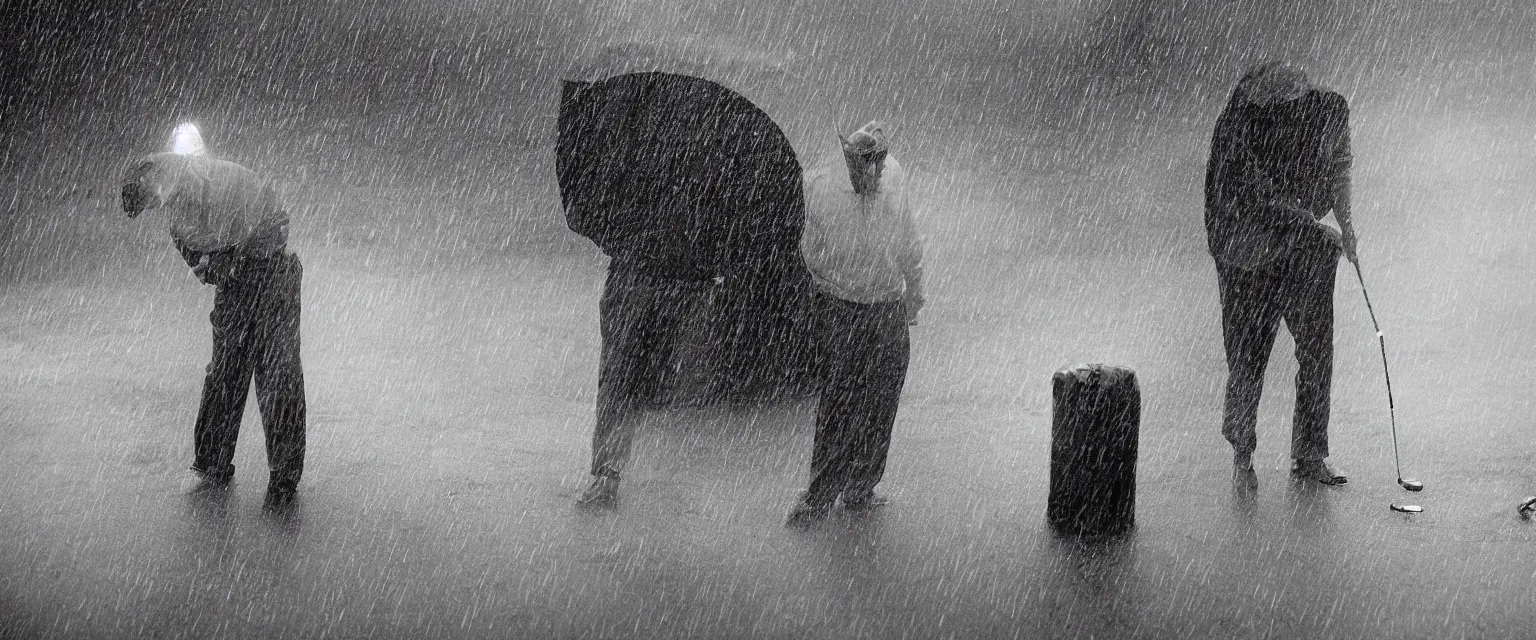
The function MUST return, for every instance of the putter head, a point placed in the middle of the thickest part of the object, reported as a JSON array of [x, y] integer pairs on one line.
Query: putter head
[[1411, 485], [1407, 508], [1527, 508]]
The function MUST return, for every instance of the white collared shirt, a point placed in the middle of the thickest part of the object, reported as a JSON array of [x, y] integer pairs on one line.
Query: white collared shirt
[[861, 248], [213, 204]]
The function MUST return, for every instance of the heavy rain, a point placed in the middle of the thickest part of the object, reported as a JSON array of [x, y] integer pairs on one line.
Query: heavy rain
[[1055, 156]]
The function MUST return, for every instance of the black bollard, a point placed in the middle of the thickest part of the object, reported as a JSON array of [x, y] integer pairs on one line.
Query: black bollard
[[1094, 432]]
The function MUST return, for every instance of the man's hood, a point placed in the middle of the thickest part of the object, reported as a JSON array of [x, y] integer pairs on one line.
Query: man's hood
[[1273, 83]]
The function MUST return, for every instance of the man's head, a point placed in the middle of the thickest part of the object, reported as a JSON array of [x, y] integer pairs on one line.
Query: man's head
[[1273, 82], [865, 152], [152, 180]]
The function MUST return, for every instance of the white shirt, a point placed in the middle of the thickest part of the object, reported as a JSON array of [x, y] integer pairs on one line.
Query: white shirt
[[214, 204], [861, 248]]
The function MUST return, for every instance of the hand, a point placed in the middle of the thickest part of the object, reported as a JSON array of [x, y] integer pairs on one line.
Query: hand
[[214, 270], [201, 269], [133, 200], [1303, 215], [1349, 242], [1332, 233], [912, 307]]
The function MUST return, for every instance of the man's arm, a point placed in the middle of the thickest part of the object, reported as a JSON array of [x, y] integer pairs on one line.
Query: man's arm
[[911, 261], [210, 267], [812, 236], [1340, 188], [193, 258], [1222, 171]]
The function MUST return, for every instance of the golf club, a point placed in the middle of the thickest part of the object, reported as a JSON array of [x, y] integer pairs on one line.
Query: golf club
[[1407, 508], [1411, 485]]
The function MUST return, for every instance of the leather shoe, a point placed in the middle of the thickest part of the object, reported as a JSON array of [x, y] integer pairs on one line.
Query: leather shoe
[[278, 498], [602, 490], [864, 501], [805, 513], [200, 483], [1317, 470]]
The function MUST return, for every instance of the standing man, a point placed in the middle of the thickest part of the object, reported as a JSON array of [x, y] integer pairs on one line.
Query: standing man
[[865, 261], [229, 225], [639, 209], [639, 314], [1279, 163]]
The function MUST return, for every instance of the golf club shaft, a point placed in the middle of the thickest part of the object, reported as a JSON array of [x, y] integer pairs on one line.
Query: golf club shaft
[[1386, 372]]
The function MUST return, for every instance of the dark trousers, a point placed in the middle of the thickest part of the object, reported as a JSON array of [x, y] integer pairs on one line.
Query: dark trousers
[[863, 350], [255, 335], [1299, 289], [638, 316]]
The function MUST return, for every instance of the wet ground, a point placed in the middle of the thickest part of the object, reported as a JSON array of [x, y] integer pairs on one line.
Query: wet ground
[[450, 334], [450, 410]]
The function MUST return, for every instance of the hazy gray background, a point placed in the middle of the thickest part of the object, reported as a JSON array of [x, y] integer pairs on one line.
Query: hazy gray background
[[1026, 123], [450, 335]]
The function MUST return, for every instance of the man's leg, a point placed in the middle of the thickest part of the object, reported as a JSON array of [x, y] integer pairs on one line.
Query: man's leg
[[838, 384], [673, 304], [835, 440], [225, 385], [885, 375], [1249, 321], [624, 313], [1309, 316], [280, 377]]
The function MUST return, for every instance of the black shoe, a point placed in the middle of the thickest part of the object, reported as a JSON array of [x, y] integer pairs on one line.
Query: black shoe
[[804, 513], [864, 501], [602, 490], [279, 498], [1244, 480], [1317, 470], [202, 483]]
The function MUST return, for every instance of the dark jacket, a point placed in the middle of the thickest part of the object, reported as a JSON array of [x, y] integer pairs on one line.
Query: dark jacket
[[1270, 165]]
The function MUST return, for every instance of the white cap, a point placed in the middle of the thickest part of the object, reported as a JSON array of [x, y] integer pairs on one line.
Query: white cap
[[186, 140], [869, 139]]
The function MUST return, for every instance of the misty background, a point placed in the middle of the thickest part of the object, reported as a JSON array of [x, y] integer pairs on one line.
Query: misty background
[[1057, 152], [1076, 125]]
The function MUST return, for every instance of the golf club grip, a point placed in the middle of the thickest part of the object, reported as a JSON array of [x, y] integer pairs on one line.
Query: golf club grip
[[1370, 309]]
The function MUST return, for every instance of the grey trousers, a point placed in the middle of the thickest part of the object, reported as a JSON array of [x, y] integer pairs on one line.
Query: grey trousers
[[255, 336], [1298, 289], [639, 316], [864, 349]]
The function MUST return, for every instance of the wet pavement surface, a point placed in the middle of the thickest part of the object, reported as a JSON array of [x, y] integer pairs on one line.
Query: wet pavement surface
[[449, 424]]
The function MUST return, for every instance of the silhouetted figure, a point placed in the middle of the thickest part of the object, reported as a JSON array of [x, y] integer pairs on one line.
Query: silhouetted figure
[[865, 260], [629, 186], [231, 228], [1279, 163]]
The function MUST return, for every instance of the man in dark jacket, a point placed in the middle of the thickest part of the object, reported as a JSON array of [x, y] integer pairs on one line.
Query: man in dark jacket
[[1279, 163], [230, 227], [666, 247]]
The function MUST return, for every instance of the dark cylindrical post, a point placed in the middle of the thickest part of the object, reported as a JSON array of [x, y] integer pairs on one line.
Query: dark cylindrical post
[[1094, 433]]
